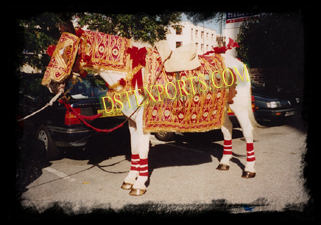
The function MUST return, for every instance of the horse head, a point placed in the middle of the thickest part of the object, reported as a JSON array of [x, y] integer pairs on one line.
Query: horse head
[[63, 60], [81, 50]]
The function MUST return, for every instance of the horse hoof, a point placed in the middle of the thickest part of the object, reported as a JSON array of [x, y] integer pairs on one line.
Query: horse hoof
[[247, 174], [137, 192], [126, 186], [223, 167]]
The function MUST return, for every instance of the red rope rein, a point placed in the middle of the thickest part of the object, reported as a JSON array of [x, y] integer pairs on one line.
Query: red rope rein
[[82, 118]]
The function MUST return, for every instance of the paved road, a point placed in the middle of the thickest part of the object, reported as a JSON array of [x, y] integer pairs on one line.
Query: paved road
[[183, 175]]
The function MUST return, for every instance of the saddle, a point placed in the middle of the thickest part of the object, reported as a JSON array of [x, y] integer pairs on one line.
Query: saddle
[[180, 59]]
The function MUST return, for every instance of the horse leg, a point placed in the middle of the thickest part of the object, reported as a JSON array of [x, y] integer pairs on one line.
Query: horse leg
[[227, 149], [247, 128], [134, 168], [142, 140]]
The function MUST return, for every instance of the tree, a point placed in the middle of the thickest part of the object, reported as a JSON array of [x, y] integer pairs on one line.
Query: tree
[[37, 34], [272, 40], [41, 31], [141, 26]]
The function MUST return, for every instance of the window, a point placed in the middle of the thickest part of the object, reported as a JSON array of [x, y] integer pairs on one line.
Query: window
[[202, 34], [206, 47], [206, 36], [202, 47], [191, 33], [196, 33], [179, 31], [178, 44], [212, 37], [196, 45]]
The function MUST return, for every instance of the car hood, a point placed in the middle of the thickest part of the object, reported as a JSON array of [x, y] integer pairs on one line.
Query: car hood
[[271, 95]]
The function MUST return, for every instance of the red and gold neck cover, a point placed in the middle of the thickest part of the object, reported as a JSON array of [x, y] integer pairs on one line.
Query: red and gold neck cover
[[99, 51]]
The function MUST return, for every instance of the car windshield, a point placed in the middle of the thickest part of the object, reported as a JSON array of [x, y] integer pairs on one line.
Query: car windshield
[[88, 87]]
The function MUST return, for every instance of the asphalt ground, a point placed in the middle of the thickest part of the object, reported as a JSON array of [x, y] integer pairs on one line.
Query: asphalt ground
[[183, 175]]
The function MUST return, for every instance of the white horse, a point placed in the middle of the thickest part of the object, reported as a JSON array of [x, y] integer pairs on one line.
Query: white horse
[[242, 107], [138, 174]]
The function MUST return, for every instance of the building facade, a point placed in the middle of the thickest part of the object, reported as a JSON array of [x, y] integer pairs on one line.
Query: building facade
[[204, 38]]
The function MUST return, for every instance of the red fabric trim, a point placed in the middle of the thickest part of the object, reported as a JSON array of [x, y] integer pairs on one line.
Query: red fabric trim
[[135, 162], [227, 152], [51, 49], [227, 142], [143, 162], [250, 159], [135, 156], [143, 167], [219, 50], [227, 149], [79, 32], [249, 146]]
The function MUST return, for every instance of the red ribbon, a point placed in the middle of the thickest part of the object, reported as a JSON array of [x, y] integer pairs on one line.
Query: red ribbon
[[79, 32], [219, 50], [231, 44], [138, 56]]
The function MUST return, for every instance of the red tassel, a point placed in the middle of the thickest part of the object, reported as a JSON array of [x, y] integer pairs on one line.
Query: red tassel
[[138, 77]]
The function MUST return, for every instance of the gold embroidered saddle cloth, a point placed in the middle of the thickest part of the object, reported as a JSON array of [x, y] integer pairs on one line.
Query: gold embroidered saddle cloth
[[197, 107]]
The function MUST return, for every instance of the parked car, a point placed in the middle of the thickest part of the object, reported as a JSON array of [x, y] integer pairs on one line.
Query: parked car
[[56, 126], [273, 105]]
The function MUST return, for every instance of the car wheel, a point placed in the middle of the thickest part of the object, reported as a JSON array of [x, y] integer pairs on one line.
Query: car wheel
[[52, 152], [165, 136]]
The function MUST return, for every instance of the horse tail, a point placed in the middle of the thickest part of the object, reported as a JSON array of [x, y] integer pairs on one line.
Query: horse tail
[[253, 121]]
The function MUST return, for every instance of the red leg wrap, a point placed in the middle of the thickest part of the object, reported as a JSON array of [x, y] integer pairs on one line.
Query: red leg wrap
[[227, 149], [250, 152], [143, 167], [135, 162]]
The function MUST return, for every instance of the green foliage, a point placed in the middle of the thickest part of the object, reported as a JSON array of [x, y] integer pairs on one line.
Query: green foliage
[[272, 40], [38, 33], [43, 30], [140, 26]]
